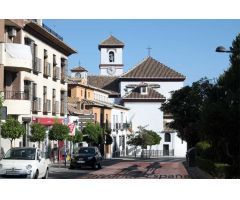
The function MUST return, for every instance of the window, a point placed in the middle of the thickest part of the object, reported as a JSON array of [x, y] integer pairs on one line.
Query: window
[[144, 90], [167, 137], [95, 117], [111, 56], [34, 90], [88, 94]]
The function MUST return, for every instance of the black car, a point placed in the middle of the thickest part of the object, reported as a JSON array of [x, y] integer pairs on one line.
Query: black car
[[87, 156]]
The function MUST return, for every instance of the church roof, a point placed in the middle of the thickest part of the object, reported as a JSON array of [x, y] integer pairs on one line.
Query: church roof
[[109, 83], [111, 41], [150, 68], [78, 69], [152, 95]]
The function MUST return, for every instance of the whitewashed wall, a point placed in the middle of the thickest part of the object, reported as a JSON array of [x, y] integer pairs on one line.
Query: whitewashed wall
[[104, 59], [145, 114]]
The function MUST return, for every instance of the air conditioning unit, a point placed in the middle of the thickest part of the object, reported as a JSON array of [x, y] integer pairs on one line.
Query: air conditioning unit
[[12, 32]]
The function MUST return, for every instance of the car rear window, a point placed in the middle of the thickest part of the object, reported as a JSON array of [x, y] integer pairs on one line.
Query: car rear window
[[87, 150]]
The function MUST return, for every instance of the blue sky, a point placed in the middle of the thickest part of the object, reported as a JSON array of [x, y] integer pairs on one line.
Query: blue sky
[[187, 46]]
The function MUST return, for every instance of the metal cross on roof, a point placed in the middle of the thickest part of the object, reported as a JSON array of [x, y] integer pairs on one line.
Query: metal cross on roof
[[149, 51]]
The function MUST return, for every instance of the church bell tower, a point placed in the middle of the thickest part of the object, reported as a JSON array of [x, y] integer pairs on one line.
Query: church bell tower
[[111, 63]]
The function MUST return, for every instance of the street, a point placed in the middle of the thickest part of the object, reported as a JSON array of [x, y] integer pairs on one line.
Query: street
[[162, 168]]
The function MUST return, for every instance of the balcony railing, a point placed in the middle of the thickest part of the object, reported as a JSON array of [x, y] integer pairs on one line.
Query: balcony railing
[[51, 31], [47, 106], [37, 65], [56, 73], [63, 109], [36, 104], [16, 95], [55, 107], [47, 69]]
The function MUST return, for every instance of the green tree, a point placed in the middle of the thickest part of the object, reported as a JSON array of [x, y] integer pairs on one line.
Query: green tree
[[12, 129], [92, 133], [186, 105], [78, 137], [155, 138], [38, 133], [58, 132], [143, 138], [221, 113]]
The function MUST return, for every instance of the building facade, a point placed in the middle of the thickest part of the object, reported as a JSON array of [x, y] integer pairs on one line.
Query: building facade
[[87, 103], [33, 74], [142, 89]]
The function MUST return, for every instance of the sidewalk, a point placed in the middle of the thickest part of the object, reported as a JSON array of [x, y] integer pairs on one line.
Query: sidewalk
[[197, 173]]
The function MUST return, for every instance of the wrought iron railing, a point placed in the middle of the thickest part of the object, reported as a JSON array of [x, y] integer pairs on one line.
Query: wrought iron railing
[[16, 95], [156, 153], [51, 31]]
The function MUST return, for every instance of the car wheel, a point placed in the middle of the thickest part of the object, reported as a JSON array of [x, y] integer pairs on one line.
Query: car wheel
[[36, 174], [71, 167], [46, 174], [95, 165]]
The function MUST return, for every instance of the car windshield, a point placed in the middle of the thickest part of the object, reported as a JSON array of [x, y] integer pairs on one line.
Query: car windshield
[[87, 150], [21, 154]]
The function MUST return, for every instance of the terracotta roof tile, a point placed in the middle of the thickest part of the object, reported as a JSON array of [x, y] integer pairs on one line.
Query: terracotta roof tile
[[78, 69], [111, 41], [150, 68], [109, 83]]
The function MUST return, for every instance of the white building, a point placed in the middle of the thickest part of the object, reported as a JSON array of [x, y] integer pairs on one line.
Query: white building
[[33, 62], [142, 89]]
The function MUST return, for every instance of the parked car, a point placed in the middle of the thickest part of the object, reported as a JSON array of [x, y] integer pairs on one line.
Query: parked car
[[26, 162], [86, 156], [1, 153]]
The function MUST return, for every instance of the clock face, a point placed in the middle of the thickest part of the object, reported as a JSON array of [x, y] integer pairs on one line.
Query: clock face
[[111, 70]]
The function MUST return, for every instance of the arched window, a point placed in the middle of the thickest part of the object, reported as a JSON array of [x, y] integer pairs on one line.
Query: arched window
[[167, 137], [111, 56]]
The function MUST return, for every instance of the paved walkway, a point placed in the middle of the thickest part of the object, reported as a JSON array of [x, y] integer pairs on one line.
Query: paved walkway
[[139, 170]]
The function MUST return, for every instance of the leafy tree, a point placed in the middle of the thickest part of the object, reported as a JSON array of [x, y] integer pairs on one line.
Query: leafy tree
[[38, 133], [221, 113], [58, 132], [12, 129], [155, 138], [92, 134], [186, 106], [143, 138], [78, 137], [108, 137]]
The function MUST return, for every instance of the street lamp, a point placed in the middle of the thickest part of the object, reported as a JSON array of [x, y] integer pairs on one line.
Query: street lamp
[[222, 49]]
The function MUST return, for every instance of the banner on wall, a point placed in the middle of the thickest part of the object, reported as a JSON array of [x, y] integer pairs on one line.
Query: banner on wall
[[71, 127]]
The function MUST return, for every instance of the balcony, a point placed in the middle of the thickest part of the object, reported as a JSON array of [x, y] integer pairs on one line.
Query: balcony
[[37, 65], [56, 73], [36, 105], [63, 109], [47, 69], [17, 56], [55, 107], [47, 106], [17, 102]]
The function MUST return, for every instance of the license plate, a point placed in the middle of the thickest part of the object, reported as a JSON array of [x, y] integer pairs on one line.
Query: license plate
[[11, 173], [80, 161]]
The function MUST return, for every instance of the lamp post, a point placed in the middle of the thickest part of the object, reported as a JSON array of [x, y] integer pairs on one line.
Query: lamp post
[[222, 49]]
